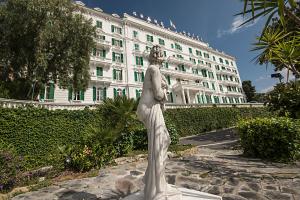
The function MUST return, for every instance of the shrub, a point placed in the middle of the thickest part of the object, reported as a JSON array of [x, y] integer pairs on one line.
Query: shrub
[[270, 138], [285, 98], [193, 121], [10, 167]]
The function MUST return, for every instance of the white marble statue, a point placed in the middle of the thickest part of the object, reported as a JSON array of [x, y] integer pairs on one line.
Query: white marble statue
[[150, 113]]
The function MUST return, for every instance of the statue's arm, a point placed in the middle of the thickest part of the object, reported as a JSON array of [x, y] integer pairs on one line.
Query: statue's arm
[[156, 84]]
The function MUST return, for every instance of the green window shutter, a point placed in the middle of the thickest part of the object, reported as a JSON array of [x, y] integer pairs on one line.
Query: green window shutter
[[70, 93], [101, 71], [114, 74], [94, 93], [81, 95], [142, 62], [136, 94], [121, 74], [172, 46], [136, 60], [94, 51], [121, 43], [115, 93], [104, 93], [143, 77], [124, 92], [51, 94], [104, 53], [167, 65], [135, 76], [165, 53], [98, 71], [171, 95], [42, 92], [122, 58], [113, 41], [114, 56], [169, 80], [112, 28]]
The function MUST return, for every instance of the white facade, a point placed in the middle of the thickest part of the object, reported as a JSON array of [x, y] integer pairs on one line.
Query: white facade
[[196, 72]]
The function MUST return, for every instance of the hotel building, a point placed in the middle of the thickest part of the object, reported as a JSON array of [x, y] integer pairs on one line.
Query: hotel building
[[196, 73]]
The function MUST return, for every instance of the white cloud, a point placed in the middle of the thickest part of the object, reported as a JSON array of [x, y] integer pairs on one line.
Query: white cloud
[[267, 89], [235, 26]]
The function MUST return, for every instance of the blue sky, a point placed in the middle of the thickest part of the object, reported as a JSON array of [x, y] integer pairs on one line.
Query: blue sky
[[213, 20]]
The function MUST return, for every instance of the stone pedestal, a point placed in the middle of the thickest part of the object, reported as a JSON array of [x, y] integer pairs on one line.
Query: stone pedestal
[[186, 194]]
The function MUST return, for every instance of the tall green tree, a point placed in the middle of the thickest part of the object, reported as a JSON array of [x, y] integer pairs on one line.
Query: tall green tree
[[42, 41], [249, 90]]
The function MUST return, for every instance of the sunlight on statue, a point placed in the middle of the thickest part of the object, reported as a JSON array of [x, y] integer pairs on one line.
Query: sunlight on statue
[[149, 112]]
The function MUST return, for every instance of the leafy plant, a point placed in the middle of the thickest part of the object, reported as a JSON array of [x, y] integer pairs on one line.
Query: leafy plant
[[270, 138], [285, 98]]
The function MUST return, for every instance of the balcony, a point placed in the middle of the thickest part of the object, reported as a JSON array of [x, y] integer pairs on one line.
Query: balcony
[[203, 66], [227, 82], [232, 93], [190, 85], [101, 79], [177, 61], [117, 48], [224, 71], [101, 60], [181, 74], [118, 64], [103, 43], [137, 52]]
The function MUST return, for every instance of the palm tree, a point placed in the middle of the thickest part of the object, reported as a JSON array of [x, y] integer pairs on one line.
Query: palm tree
[[260, 8]]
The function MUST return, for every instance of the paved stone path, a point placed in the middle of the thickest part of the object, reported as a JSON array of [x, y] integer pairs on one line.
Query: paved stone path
[[221, 171]]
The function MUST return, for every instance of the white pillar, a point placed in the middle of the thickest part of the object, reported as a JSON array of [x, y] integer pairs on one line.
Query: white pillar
[[188, 95], [183, 96]]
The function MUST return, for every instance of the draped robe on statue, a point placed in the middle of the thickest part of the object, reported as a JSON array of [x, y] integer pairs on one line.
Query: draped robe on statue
[[150, 113]]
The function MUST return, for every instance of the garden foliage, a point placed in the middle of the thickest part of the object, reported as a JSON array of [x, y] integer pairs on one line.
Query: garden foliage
[[275, 139]]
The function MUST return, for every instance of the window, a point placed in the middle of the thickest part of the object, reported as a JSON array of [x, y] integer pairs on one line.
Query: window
[[230, 99], [231, 63], [139, 61], [136, 47], [139, 77], [205, 84], [190, 50], [161, 41], [217, 67], [148, 48], [99, 94], [168, 79], [221, 60], [47, 92], [221, 88], [76, 95], [165, 54], [229, 89], [170, 97], [165, 65], [149, 38], [211, 75], [204, 73], [198, 53], [99, 53], [100, 37], [138, 93], [181, 68], [216, 99], [193, 60], [117, 57], [226, 61], [213, 86], [208, 98], [179, 56], [206, 55], [117, 43], [178, 47], [98, 24], [172, 46], [214, 58], [118, 92], [224, 99], [99, 71], [219, 77], [135, 34], [117, 75], [115, 29], [195, 71]]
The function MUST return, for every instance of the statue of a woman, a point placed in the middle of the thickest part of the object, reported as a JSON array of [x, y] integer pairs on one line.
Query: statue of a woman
[[150, 113]]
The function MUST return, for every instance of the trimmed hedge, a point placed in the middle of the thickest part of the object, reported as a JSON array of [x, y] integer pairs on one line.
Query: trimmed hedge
[[193, 121], [270, 138], [37, 133]]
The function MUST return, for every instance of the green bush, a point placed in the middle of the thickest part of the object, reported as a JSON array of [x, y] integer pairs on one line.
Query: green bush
[[285, 98], [193, 121], [10, 167], [270, 138]]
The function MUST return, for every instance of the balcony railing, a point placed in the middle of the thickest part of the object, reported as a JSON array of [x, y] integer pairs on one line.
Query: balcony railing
[[101, 60], [176, 60], [181, 74], [103, 43], [101, 79], [188, 85]]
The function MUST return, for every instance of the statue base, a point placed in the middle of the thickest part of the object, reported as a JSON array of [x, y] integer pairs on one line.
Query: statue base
[[178, 194]]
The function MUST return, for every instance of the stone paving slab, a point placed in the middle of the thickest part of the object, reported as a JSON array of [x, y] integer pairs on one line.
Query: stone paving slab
[[222, 172]]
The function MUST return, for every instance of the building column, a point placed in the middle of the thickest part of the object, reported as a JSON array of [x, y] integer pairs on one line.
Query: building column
[[183, 96], [188, 95]]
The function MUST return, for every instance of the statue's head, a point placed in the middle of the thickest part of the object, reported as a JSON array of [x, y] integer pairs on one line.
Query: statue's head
[[156, 55]]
